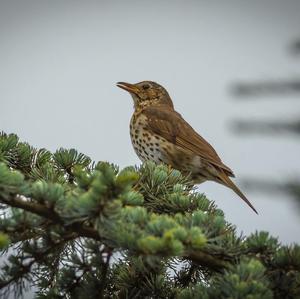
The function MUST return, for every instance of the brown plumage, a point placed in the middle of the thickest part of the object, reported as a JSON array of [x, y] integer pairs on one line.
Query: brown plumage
[[160, 134]]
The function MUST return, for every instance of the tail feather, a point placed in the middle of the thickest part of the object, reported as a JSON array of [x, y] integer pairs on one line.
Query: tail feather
[[229, 183]]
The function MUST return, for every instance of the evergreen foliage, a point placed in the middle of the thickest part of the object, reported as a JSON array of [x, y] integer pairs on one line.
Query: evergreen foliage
[[77, 229]]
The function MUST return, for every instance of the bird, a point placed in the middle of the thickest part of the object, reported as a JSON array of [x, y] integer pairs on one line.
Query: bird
[[160, 134]]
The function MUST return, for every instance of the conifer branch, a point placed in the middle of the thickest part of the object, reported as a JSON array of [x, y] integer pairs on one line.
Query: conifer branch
[[109, 233], [40, 210]]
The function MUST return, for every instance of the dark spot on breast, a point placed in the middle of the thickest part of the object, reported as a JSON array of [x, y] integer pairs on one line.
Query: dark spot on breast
[[151, 143], [136, 136], [159, 159], [151, 149], [152, 155], [156, 144]]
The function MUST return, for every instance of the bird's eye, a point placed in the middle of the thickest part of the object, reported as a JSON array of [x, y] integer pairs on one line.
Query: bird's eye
[[146, 86]]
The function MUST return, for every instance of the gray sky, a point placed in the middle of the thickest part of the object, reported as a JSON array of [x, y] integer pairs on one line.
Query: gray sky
[[60, 61]]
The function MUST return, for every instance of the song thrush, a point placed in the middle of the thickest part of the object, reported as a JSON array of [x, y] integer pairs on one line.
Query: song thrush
[[160, 134]]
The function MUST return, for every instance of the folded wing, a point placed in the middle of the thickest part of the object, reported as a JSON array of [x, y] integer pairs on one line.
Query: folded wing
[[170, 125]]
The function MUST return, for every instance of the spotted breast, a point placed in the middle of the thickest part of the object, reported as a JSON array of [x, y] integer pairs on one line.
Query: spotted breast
[[148, 146]]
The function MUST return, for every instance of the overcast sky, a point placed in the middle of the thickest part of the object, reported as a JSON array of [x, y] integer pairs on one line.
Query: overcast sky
[[60, 60]]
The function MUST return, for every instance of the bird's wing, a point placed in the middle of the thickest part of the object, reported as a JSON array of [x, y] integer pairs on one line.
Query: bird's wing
[[170, 125]]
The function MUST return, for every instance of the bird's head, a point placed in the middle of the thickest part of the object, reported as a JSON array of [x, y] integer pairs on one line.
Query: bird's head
[[147, 93]]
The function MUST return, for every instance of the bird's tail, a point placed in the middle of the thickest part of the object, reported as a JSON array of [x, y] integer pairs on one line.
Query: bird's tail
[[229, 183]]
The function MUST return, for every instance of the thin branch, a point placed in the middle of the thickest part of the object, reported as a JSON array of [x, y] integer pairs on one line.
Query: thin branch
[[262, 88], [295, 47], [104, 272], [38, 209], [37, 257], [24, 269], [266, 127], [207, 260]]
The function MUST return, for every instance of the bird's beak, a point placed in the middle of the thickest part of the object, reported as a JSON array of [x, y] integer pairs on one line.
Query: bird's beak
[[128, 87]]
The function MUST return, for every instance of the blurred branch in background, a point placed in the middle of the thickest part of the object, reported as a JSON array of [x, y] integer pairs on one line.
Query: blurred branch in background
[[290, 187], [295, 47], [266, 127], [243, 90], [275, 90]]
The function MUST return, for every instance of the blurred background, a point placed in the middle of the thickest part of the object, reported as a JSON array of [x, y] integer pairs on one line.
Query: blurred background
[[231, 67]]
